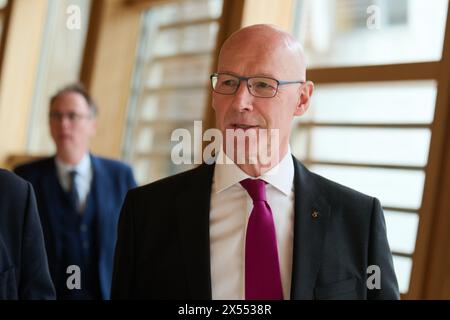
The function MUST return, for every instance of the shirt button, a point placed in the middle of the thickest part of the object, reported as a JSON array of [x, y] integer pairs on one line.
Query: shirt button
[[85, 245], [83, 228]]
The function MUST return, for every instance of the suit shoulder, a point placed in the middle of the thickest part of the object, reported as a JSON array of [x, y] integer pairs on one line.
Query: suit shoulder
[[112, 163], [11, 184], [173, 183], [33, 166]]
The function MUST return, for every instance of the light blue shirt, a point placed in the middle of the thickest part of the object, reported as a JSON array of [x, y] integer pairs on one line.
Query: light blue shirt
[[83, 179]]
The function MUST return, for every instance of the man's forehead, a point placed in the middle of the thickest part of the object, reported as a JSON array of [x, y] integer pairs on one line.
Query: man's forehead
[[264, 36], [265, 47], [69, 100], [245, 66], [273, 62]]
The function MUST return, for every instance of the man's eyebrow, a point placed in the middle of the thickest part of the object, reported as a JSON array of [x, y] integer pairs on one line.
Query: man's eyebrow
[[266, 75]]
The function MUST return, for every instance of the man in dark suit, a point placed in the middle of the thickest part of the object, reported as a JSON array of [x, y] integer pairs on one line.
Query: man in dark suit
[[24, 270], [243, 229], [79, 197]]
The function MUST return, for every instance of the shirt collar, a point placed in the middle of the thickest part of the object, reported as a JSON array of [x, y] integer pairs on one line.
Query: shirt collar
[[227, 173], [82, 168]]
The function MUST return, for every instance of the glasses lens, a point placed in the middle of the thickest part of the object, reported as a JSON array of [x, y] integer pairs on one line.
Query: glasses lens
[[263, 87], [225, 83], [55, 116]]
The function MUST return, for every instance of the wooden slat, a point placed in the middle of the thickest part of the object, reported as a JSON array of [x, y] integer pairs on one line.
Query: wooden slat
[[143, 5], [430, 277], [180, 56], [187, 23], [403, 210], [363, 165], [402, 254], [165, 89], [364, 125], [391, 72]]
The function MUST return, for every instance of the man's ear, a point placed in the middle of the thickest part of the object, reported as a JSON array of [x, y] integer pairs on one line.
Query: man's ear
[[306, 91]]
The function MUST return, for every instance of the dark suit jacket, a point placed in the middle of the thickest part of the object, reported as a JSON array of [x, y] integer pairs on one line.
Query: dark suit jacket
[[163, 242], [110, 183], [24, 270]]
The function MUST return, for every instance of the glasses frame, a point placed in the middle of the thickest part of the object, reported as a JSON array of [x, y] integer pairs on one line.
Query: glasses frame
[[279, 83], [72, 117]]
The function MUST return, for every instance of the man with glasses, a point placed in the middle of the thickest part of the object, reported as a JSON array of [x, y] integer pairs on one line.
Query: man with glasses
[[245, 230], [79, 196]]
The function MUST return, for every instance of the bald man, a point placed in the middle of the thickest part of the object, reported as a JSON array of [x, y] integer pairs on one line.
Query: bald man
[[247, 226]]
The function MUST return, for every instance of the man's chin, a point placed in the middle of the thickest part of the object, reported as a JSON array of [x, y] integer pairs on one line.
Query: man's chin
[[65, 147]]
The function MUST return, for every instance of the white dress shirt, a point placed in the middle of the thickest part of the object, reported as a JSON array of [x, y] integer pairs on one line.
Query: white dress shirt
[[230, 210], [83, 178]]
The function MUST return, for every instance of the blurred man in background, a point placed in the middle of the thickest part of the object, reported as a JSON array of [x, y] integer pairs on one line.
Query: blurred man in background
[[24, 270], [79, 197]]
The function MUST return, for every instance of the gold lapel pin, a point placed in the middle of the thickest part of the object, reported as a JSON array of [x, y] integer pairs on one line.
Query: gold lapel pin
[[315, 214]]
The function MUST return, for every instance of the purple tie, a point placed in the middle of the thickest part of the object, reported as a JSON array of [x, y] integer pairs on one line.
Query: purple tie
[[262, 269]]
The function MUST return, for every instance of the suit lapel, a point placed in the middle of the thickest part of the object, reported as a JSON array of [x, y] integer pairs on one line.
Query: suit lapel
[[310, 220], [101, 186], [193, 205], [99, 182]]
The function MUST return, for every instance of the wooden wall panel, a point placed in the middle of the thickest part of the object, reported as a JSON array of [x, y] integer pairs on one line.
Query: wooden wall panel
[[19, 69], [108, 68]]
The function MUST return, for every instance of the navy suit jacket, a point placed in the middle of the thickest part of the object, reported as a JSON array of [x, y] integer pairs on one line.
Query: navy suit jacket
[[111, 181], [163, 246], [24, 272]]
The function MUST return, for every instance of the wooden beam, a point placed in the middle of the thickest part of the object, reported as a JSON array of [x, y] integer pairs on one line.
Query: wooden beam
[[108, 68], [430, 277], [142, 5], [362, 165], [184, 24], [92, 38], [6, 13], [308, 125], [19, 71], [391, 72]]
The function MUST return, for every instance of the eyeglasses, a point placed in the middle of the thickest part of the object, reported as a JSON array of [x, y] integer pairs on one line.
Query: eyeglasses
[[262, 87], [71, 116]]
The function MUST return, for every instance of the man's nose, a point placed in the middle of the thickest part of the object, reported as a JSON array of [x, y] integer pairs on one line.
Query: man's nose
[[242, 98], [65, 121]]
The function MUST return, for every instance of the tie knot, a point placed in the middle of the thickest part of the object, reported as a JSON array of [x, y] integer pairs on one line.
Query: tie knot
[[73, 173], [256, 188]]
